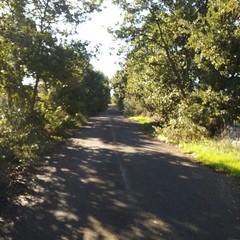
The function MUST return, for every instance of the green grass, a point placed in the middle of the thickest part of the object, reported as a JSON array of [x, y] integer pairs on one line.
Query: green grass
[[141, 119], [220, 155], [146, 122]]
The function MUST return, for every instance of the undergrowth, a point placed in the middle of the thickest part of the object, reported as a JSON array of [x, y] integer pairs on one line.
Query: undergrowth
[[147, 123], [221, 155], [23, 140]]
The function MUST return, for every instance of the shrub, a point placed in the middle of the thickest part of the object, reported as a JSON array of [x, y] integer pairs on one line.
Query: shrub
[[182, 130], [21, 137]]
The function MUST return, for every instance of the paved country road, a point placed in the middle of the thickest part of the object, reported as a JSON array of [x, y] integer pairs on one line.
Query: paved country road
[[110, 181]]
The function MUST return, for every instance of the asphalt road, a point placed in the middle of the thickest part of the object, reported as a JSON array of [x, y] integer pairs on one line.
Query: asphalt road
[[110, 181]]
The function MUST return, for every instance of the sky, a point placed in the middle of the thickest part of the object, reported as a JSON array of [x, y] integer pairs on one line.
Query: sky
[[95, 31]]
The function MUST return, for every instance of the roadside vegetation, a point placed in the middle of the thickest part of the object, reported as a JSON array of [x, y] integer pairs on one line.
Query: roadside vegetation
[[183, 71], [47, 84], [146, 122], [220, 154]]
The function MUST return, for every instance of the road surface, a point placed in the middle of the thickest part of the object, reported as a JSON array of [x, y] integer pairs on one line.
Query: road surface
[[110, 181]]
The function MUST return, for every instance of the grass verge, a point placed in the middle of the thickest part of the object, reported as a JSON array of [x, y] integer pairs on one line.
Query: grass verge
[[146, 122], [221, 155]]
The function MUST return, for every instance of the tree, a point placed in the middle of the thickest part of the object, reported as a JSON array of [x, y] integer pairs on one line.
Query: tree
[[216, 41], [181, 52], [158, 33], [34, 45], [118, 83], [47, 15]]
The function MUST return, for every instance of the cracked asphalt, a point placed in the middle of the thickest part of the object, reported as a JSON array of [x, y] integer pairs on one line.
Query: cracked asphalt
[[111, 181]]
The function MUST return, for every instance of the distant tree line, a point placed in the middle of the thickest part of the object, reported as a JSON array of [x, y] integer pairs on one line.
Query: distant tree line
[[182, 64], [47, 84]]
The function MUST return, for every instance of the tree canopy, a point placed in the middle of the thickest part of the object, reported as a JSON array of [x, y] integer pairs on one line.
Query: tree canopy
[[182, 63], [47, 83]]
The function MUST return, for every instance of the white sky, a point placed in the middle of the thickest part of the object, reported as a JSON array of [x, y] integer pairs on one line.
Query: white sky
[[96, 32]]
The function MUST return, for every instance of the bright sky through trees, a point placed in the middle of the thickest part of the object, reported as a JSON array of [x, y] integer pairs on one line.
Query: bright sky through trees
[[95, 31]]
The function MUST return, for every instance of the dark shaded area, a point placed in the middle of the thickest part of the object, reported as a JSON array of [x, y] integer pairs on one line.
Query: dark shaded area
[[110, 181]]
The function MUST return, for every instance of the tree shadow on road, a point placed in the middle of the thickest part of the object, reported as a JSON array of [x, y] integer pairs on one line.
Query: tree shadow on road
[[79, 192]]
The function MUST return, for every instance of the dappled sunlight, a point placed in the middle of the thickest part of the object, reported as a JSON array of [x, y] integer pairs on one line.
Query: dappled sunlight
[[98, 231], [124, 149], [119, 204], [90, 143], [190, 226], [183, 177], [152, 226], [44, 178], [94, 180], [61, 215], [29, 201], [103, 186], [65, 170], [188, 164]]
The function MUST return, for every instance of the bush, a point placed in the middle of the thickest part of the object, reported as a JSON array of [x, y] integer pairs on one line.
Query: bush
[[206, 108], [182, 130], [201, 114], [56, 120], [21, 134]]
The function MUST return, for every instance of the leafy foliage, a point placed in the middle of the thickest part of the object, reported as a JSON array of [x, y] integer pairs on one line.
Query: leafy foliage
[[62, 88], [182, 65]]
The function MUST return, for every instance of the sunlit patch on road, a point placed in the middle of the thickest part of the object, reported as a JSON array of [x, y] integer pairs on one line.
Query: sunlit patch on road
[[111, 182]]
